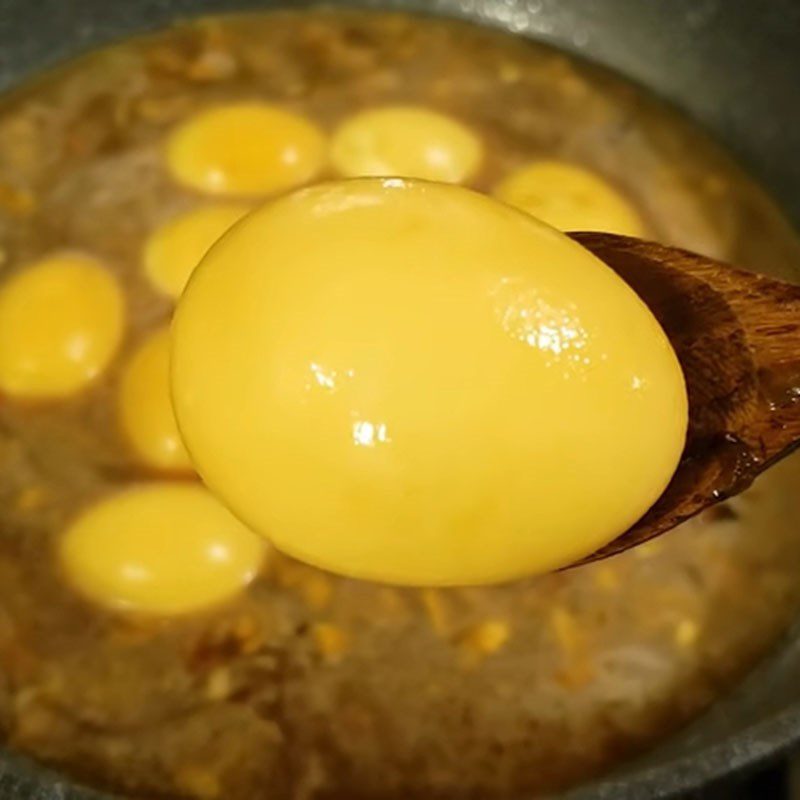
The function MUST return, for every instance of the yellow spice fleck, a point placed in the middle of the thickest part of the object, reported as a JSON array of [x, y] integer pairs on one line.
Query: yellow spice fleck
[[577, 674], [332, 641], [316, 590], [436, 610], [648, 549], [198, 781], [566, 630], [30, 498], [392, 601], [218, 686], [486, 637], [509, 72], [249, 634], [17, 202], [606, 578], [687, 632]]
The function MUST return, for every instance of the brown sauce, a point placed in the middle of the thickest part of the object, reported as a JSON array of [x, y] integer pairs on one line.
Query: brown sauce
[[310, 685]]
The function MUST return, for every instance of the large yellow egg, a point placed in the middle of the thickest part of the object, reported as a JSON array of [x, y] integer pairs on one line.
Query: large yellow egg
[[407, 141], [175, 249], [160, 548], [245, 149], [570, 198], [61, 321], [414, 383], [145, 406]]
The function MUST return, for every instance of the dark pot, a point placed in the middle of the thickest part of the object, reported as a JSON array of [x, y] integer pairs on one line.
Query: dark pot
[[734, 67]]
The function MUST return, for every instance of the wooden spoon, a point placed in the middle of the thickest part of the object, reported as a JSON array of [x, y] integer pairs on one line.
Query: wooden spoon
[[737, 336]]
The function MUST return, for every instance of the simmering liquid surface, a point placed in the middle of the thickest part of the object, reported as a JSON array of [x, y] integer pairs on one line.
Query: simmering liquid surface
[[303, 684]]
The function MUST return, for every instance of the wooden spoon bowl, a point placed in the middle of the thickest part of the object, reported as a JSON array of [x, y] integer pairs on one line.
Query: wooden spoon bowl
[[737, 336]]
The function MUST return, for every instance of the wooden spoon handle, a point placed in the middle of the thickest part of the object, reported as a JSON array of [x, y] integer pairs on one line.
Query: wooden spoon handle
[[737, 336]]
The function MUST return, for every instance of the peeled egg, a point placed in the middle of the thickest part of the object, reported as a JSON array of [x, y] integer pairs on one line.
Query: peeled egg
[[407, 141], [61, 321], [160, 548], [245, 149], [173, 251], [414, 383], [145, 406], [570, 198]]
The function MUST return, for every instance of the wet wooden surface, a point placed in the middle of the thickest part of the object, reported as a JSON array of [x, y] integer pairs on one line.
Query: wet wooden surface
[[737, 336]]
